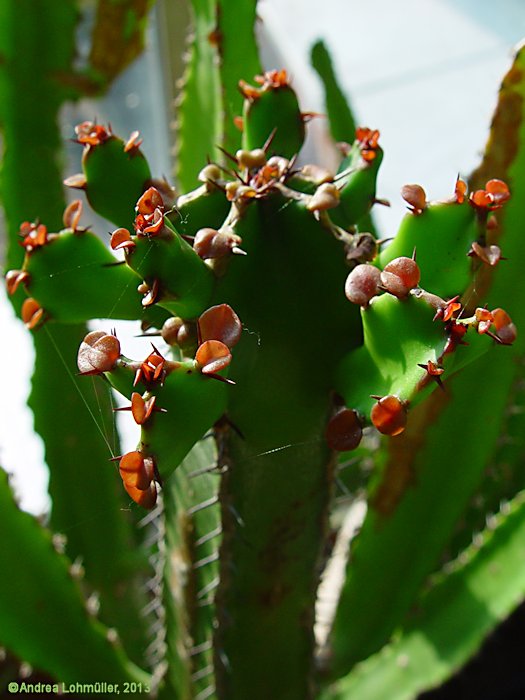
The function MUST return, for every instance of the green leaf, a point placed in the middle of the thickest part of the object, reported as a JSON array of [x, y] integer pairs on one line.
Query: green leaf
[[429, 474], [341, 118], [451, 620], [239, 59], [192, 538], [43, 615], [73, 414], [200, 110]]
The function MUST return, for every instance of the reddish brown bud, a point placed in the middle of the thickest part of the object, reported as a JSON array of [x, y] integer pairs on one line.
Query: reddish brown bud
[[98, 353], [416, 197], [14, 278], [149, 201], [176, 332], [220, 323], [362, 284], [400, 276], [32, 313], [211, 244], [389, 415], [212, 356], [344, 430], [76, 182], [135, 471], [121, 240], [505, 328]]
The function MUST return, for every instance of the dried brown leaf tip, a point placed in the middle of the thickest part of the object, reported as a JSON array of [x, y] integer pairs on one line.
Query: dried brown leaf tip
[[344, 430], [389, 415], [326, 196], [212, 356], [14, 278], [433, 372], [98, 353], [490, 254], [71, 217], [34, 235], [416, 198], [32, 313], [150, 213], [91, 134], [133, 143], [137, 474], [121, 240], [141, 408], [369, 143]]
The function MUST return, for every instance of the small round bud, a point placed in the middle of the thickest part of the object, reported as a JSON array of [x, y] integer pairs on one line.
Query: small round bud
[[251, 159], [209, 243], [389, 415], [32, 313], [362, 284], [175, 331], [326, 196], [400, 276], [416, 197], [344, 430]]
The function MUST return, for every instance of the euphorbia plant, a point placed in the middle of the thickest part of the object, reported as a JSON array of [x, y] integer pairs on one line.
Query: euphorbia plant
[[284, 339]]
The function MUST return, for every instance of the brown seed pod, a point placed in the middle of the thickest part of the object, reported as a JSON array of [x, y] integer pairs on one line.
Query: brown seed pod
[[389, 415], [175, 331], [416, 197], [326, 196], [344, 430], [505, 328], [212, 356], [98, 353], [32, 313], [220, 323], [400, 276], [210, 243], [362, 284]]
